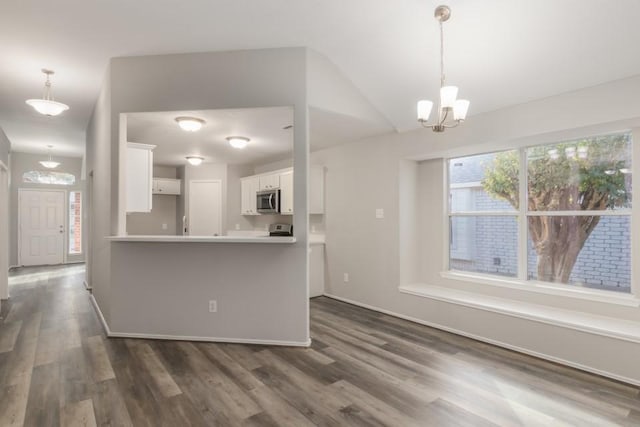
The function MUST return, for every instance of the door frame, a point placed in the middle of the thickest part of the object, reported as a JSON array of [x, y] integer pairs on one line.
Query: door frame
[[4, 231], [65, 214], [219, 181]]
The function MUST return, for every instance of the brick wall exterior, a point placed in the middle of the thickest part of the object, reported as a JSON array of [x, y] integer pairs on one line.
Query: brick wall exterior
[[490, 243]]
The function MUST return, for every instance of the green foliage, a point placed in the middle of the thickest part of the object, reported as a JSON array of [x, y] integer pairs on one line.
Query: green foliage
[[586, 174]]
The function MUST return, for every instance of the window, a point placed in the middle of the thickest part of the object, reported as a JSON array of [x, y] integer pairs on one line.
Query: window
[[48, 177], [75, 223], [575, 207]]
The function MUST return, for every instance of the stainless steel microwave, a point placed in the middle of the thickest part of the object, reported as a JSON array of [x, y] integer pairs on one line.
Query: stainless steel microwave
[[268, 201]]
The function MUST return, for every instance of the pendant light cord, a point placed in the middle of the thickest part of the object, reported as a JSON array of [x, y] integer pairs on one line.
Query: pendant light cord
[[441, 55]]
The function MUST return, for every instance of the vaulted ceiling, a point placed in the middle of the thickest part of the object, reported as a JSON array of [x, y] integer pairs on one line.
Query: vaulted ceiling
[[499, 52]]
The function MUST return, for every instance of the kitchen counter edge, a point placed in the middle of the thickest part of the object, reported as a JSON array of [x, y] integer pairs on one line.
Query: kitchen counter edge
[[204, 239]]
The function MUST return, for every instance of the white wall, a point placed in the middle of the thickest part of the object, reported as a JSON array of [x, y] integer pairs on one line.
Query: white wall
[[24, 162], [243, 79], [382, 254]]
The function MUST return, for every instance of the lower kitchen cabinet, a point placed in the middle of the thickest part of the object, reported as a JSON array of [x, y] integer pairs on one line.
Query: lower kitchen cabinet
[[316, 270]]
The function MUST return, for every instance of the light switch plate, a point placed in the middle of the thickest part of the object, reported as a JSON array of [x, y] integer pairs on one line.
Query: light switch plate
[[379, 213]]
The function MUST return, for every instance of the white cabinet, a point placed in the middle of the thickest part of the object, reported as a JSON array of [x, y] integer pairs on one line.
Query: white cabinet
[[316, 190], [316, 270], [166, 186], [248, 188], [139, 177], [269, 181], [286, 193], [283, 179]]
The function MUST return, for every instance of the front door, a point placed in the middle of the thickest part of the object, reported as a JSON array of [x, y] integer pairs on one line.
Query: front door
[[205, 208], [42, 230]]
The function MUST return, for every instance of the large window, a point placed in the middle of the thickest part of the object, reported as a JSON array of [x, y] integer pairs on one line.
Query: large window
[[564, 219]]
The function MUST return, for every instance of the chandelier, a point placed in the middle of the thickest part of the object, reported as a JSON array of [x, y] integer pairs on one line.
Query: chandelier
[[451, 111], [47, 105], [49, 164]]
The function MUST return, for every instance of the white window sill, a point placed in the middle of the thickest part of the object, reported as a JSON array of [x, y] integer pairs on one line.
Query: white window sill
[[608, 297], [600, 325]]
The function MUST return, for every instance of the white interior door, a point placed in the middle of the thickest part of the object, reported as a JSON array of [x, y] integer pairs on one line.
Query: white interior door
[[4, 233], [42, 227], [205, 208]]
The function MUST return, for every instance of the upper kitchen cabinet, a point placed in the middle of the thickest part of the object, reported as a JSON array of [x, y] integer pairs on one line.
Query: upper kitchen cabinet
[[249, 187], [269, 181], [139, 177], [286, 193], [166, 186]]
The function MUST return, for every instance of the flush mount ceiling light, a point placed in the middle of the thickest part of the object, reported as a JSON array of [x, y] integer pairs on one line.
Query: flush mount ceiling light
[[195, 160], [238, 141], [449, 105], [49, 164], [47, 105], [190, 124]]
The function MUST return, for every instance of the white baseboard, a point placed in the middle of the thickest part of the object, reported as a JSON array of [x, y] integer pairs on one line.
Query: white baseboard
[[491, 341], [112, 334], [86, 285]]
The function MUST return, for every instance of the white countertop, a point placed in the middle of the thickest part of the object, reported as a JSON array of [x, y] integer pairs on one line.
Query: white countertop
[[202, 239]]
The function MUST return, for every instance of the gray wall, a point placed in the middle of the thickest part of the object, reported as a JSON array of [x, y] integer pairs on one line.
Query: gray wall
[[163, 211], [100, 169], [382, 254], [243, 79], [5, 148], [24, 162]]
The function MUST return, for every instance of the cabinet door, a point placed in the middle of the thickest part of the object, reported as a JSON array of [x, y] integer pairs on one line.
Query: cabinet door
[[270, 181], [316, 270], [139, 177], [166, 186], [248, 190], [286, 193]]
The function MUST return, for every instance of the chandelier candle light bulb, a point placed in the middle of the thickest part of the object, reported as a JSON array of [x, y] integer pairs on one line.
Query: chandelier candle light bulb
[[449, 104]]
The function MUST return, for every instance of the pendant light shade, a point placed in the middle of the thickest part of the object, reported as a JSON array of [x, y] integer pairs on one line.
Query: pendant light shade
[[47, 105], [49, 164]]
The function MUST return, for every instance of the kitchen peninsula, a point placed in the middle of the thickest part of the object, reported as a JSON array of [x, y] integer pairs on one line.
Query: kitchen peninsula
[[230, 288]]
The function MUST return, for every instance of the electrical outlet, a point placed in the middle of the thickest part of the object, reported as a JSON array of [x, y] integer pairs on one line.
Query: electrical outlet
[[165, 226], [346, 277], [379, 213], [237, 226], [213, 306]]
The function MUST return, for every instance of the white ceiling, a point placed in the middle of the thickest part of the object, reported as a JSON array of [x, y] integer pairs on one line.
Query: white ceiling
[[499, 52], [263, 126]]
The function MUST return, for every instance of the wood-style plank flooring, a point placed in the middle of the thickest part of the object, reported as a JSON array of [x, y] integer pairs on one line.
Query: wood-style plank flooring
[[363, 369]]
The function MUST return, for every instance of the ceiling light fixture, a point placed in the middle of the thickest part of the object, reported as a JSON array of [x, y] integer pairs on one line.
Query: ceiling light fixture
[[449, 105], [190, 124], [47, 105], [195, 160], [238, 141], [49, 164]]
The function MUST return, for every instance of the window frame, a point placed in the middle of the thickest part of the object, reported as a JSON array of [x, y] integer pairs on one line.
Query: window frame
[[520, 281]]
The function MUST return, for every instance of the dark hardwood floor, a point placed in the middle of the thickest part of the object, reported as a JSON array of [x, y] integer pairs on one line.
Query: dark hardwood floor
[[363, 369]]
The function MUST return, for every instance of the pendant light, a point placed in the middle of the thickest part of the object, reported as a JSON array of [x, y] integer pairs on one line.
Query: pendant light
[[49, 164], [47, 105], [449, 105]]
